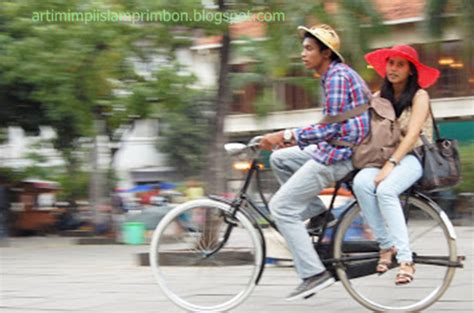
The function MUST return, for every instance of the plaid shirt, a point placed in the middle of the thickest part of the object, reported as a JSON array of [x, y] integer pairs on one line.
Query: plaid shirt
[[343, 90]]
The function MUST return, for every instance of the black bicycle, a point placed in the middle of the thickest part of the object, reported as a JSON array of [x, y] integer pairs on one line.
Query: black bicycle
[[208, 255]]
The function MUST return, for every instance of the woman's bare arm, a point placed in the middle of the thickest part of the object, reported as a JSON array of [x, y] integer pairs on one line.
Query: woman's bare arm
[[420, 112]]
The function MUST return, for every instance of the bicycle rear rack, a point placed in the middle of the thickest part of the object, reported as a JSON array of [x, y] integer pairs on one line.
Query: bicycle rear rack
[[438, 260]]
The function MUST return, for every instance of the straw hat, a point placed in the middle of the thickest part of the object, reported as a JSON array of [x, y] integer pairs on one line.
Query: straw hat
[[427, 76], [326, 35]]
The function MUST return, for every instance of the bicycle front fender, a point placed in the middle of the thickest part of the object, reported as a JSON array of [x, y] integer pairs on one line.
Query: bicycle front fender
[[257, 227]]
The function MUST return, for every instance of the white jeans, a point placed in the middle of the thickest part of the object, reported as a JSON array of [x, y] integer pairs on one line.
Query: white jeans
[[381, 207], [301, 179]]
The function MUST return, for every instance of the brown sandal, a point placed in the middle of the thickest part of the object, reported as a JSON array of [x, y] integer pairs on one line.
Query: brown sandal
[[405, 274], [385, 259]]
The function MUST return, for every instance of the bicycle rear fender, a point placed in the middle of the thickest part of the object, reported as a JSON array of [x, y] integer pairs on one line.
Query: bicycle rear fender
[[422, 197], [342, 216], [330, 248]]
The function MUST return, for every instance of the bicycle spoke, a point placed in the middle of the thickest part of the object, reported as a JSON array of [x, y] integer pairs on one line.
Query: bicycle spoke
[[195, 267], [434, 255]]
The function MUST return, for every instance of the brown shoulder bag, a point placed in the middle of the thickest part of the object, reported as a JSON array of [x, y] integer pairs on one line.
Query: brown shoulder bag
[[383, 137]]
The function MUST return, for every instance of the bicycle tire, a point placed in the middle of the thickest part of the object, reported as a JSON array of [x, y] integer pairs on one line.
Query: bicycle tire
[[191, 269], [431, 233]]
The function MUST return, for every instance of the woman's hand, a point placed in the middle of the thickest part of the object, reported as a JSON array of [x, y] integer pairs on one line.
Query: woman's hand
[[384, 172]]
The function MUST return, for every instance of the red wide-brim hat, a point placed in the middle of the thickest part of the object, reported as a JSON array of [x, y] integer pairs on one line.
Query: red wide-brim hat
[[427, 76]]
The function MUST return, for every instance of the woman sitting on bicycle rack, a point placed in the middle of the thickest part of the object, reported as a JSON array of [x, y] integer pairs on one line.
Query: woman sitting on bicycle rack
[[378, 190], [305, 170]]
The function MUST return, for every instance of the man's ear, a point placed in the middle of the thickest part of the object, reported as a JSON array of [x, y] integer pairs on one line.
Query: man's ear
[[326, 53]]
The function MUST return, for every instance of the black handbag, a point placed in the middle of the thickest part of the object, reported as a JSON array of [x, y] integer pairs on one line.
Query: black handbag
[[440, 162]]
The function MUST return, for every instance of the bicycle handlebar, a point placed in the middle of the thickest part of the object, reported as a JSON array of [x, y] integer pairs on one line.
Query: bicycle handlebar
[[254, 143]]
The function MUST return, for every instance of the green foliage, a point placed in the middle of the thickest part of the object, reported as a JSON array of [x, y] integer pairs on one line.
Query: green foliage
[[67, 74], [442, 14], [434, 10], [467, 168], [3, 135], [73, 187], [171, 97], [277, 58], [185, 141], [34, 171], [10, 176], [266, 103], [185, 128], [59, 74]]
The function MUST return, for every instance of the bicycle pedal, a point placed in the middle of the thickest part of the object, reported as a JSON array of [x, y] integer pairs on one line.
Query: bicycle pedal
[[314, 232], [309, 296]]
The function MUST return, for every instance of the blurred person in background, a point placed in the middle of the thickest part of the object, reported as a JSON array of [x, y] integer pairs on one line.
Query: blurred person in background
[[4, 214], [308, 162], [378, 190], [194, 190]]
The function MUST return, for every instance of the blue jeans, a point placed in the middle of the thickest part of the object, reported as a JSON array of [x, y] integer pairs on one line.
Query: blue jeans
[[381, 207], [301, 179]]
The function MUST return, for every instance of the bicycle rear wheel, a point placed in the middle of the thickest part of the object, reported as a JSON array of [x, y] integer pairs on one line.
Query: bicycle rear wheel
[[204, 259], [433, 243]]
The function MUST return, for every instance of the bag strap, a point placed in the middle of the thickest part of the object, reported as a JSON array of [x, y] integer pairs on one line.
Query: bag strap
[[335, 142], [346, 115], [425, 140], [435, 125]]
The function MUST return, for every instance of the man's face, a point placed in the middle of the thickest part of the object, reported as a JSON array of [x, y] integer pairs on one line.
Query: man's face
[[311, 55]]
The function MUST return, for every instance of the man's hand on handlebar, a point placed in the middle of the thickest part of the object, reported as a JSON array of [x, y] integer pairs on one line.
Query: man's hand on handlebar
[[275, 140]]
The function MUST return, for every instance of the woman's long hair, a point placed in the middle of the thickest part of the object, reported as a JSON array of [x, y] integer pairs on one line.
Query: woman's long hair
[[407, 95]]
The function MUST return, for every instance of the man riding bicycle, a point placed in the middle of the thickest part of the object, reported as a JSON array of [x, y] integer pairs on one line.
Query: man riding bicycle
[[307, 162]]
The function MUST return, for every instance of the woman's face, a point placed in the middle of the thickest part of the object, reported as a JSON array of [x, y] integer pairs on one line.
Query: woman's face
[[397, 70]]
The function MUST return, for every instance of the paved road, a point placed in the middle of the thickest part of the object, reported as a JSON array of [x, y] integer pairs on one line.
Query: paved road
[[53, 274]]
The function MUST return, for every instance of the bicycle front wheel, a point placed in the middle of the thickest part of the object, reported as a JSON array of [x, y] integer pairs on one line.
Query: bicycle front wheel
[[432, 241], [204, 259]]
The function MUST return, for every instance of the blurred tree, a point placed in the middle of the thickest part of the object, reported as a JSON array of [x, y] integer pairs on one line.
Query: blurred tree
[[59, 73], [441, 14], [184, 127], [215, 173], [63, 74], [70, 74], [273, 57], [467, 166], [73, 189], [276, 60]]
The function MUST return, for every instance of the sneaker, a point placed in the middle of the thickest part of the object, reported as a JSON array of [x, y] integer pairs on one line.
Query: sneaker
[[311, 285], [315, 225]]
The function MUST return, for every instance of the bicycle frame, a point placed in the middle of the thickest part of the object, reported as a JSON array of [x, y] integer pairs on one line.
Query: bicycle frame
[[243, 197], [349, 252], [325, 249]]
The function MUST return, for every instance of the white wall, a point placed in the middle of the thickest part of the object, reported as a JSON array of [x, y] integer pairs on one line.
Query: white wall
[[14, 152], [201, 62], [461, 107], [137, 151]]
